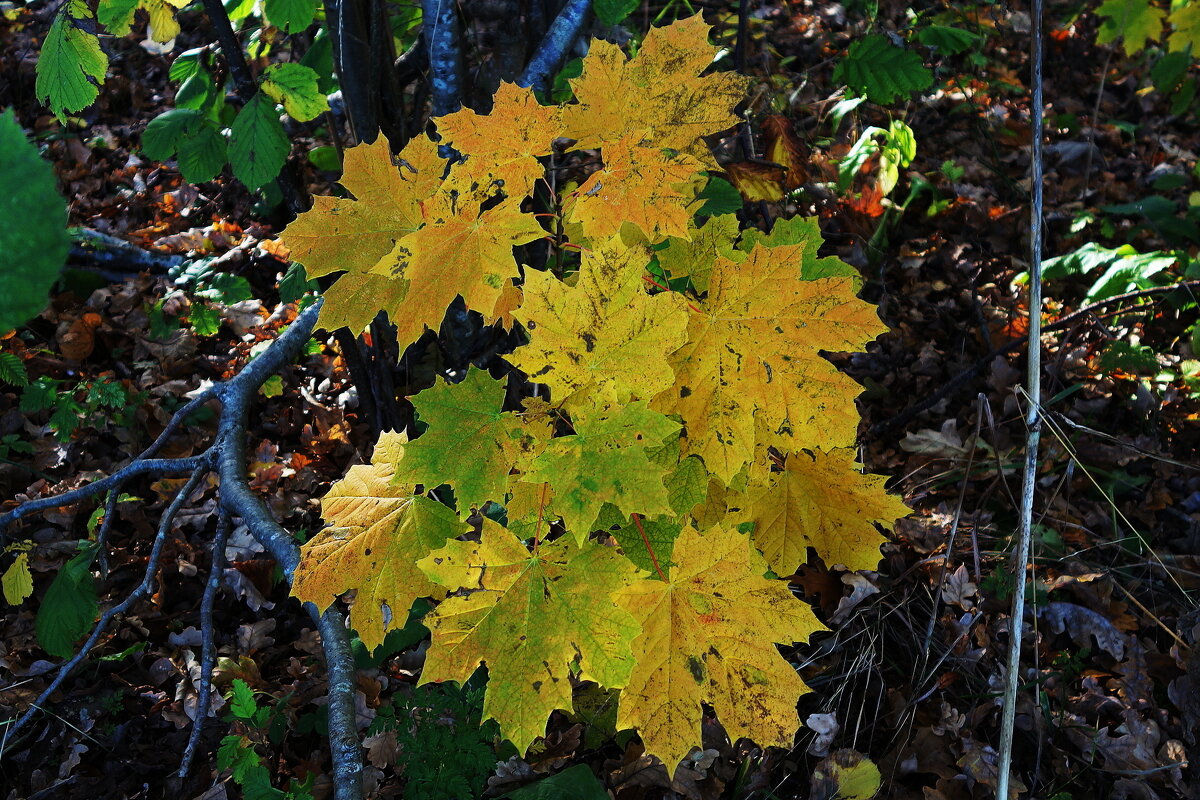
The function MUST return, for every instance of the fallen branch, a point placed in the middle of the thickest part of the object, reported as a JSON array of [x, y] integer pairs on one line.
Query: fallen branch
[[227, 457]]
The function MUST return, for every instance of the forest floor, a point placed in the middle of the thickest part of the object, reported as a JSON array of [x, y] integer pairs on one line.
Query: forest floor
[[910, 674]]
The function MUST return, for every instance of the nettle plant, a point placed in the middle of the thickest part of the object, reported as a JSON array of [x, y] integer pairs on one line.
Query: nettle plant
[[628, 528]]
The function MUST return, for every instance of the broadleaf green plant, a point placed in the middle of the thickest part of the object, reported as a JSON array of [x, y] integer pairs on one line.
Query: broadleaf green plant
[[33, 250]]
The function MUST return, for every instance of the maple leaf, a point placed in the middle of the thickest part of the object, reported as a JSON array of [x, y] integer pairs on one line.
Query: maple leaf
[[528, 617], [606, 460], [694, 255], [658, 91], [379, 529], [820, 500], [707, 637], [351, 236], [470, 442], [460, 250], [798, 230], [604, 340], [497, 148], [752, 352], [1185, 21], [1135, 22], [643, 186]]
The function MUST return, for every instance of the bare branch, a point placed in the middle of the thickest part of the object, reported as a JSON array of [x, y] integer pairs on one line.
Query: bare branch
[[208, 653], [141, 590]]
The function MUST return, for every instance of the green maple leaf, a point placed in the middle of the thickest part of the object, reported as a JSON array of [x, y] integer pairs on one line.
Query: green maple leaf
[[470, 443], [606, 460], [1134, 22], [528, 617], [1186, 23]]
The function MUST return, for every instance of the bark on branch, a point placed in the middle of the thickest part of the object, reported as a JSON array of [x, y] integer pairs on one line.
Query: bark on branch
[[227, 457]]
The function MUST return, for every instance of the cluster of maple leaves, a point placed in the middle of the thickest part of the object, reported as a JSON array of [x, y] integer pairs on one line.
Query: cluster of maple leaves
[[694, 443]]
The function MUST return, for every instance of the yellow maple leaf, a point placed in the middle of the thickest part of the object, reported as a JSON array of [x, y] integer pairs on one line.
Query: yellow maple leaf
[[506, 143], [379, 530], [528, 617], [460, 250], [658, 92], [642, 185], [752, 352], [708, 636], [604, 340], [820, 500], [351, 236]]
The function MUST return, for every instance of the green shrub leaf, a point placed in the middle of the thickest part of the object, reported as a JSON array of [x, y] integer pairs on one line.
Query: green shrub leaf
[[946, 40], [295, 85], [116, 15], [291, 15], [880, 71], [258, 146], [32, 252], [69, 607], [71, 65]]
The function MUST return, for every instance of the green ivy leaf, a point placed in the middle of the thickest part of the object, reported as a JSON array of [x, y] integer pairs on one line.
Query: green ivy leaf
[[71, 65], [33, 251], [290, 15], [295, 86], [258, 146], [69, 607], [225, 288], [880, 71]]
